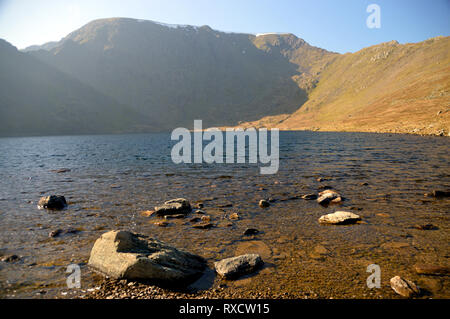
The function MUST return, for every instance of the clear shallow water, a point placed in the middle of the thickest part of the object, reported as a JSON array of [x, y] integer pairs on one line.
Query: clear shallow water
[[113, 178]]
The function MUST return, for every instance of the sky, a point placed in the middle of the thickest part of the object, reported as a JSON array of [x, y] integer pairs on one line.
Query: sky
[[335, 25]]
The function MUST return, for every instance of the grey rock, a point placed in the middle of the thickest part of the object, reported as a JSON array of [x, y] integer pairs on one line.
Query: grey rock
[[125, 255], [339, 218], [174, 206], [56, 202], [236, 266], [404, 287]]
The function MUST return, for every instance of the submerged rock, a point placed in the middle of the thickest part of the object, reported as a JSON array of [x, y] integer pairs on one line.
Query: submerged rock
[[404, 287], [339, 218], [426, 227], [236, 266], [434, 270], [56, 202], [59, 232], [125, 255], [174, 206], [329, 196], [203, 225]]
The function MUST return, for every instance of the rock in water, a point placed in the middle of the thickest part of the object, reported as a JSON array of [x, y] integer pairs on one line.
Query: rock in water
[[56, 202], [236, 266], [438, 194], [339, 218], [329, 196], [404, 287], [125, 255], [174, 206], [263, 203], [251, 231]]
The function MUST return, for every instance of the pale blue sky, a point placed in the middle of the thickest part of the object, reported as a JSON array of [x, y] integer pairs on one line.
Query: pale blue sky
[[336, 25]]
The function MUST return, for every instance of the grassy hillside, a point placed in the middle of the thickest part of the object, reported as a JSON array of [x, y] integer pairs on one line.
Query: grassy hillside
[[384, 88]]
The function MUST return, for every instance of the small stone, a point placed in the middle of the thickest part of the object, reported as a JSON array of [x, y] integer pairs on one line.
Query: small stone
[[251, 231], [234, 267], [194, 220], [234, 216], [206, 218], [339, 218], [404, 287], [161, 223], [55, 233], [10, 258], [329, 196], [174, 206], [263, 203], [56, 202]]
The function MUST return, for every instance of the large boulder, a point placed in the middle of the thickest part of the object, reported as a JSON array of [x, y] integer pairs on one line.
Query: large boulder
[[56, 202], [174, 206], [236, 266], [404, 287], [339, 218], [125, 255]]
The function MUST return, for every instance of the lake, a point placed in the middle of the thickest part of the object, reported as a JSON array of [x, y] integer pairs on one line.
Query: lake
[[111, 179]]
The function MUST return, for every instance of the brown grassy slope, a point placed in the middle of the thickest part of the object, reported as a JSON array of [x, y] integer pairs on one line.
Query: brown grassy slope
[[384, 88]]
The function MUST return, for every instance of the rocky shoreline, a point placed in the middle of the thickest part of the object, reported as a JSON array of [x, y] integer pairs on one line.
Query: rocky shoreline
[[133, 263]]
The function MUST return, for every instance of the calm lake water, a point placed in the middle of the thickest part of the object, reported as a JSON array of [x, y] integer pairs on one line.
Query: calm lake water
[[113, 178]]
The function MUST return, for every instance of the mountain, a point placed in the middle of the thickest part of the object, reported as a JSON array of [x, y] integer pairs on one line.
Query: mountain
[[126, 75], [37, 99], [383, 88], [175, 74]]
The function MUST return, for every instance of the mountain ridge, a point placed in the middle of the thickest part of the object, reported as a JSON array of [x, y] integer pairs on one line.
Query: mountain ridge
[[168, 75]]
